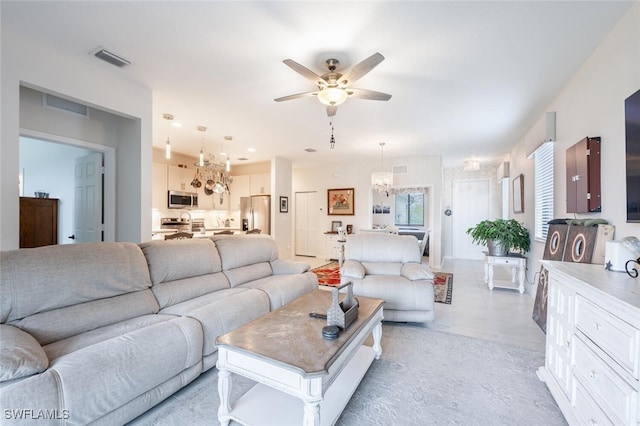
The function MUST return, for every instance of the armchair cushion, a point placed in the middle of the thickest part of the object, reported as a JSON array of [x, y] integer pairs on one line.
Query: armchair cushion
[[416, 271], [352, 268], [20, 354]]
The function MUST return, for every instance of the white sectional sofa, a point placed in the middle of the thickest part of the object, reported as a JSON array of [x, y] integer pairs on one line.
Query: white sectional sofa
[[101, 332]]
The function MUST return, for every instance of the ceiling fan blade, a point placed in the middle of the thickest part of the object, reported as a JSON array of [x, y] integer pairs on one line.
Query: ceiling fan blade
[[331, 110], [305, 72], [371, 95], [360, 69], [296, 96]]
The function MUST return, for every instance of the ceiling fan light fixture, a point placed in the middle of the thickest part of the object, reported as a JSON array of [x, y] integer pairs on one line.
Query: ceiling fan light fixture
[[332, 96]]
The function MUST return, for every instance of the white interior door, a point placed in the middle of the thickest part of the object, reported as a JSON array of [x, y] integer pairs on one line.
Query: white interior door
[[306, 210], [88, 198], [470, 205]]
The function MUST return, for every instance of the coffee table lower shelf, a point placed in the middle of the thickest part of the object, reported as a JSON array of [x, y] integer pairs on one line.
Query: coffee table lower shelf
[[265, 406]]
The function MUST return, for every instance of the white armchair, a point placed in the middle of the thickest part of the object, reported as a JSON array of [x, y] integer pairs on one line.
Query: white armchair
[[388, 267]]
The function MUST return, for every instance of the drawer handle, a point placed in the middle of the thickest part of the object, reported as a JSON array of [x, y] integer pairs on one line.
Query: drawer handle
[[596, 326], [593, 374], [568, 344]]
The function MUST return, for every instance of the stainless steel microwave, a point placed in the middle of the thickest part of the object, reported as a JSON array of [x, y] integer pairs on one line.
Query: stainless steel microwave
[[183, 200]]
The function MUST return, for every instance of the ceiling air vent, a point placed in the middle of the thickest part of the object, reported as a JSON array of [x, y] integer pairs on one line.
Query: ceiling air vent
[[112, 58], [65, 104], [400, 169]]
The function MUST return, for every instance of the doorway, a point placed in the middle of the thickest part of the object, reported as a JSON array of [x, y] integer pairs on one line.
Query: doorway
[[47, 163], [471, 204]]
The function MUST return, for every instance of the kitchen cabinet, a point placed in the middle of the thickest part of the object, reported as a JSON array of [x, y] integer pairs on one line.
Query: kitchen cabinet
[[179, 179], [583, 176], [260, 184], [240, 187], [592, 358], [159, 190], [38, 222]]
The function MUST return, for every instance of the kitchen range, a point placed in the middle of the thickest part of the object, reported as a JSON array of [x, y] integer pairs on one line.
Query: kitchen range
[[185, 223]]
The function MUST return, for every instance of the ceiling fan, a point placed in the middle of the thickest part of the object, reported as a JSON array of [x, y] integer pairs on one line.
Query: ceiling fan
[[333, 87]]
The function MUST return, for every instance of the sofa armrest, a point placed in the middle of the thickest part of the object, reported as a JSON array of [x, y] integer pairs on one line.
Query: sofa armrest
[[353, 269], [416, 271], [20, 354], [285, 266]]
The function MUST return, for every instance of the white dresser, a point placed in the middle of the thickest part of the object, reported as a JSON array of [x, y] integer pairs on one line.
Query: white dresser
[[592, 361]]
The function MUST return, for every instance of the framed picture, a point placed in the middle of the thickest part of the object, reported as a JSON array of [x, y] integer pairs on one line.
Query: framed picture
[[518, 194], [335, 224], [284, 204], [340, 201]]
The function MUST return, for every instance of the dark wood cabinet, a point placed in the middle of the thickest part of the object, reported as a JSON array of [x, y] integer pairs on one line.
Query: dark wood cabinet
[[38, 222], [583, 176]]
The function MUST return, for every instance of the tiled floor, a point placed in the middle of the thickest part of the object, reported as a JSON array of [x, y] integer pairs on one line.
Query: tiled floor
[[500, 315]]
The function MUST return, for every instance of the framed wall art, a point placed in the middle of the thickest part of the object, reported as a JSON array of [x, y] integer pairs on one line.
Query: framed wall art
[[340, 201], [335, 224], [284, 204], [518, 194]]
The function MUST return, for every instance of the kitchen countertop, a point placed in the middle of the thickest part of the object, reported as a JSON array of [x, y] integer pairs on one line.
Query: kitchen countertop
[[158, 234]]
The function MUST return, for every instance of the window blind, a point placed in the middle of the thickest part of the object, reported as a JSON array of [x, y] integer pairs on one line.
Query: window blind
[[543, 171]]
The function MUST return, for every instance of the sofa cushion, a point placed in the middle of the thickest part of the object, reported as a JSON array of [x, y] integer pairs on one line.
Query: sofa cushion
[[382, 268], [20, 354], [174, 292], [75, 343], [282, 289], [243, 274], [99, 378], [59, 324], [383, 247], [222, 311], [178, 259], [71, 274], [241, 250], [285, 266]]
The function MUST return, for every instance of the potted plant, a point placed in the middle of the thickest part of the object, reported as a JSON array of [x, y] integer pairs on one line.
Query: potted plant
[[501, 236]]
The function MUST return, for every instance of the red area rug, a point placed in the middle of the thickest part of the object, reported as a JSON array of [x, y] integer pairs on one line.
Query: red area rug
[[329, 275]]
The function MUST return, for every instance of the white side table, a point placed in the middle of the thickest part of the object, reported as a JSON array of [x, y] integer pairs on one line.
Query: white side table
[[518, 264]]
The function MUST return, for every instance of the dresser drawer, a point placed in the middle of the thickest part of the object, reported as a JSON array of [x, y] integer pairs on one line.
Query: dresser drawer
[[616, 397], [586, 409], [619, 339]]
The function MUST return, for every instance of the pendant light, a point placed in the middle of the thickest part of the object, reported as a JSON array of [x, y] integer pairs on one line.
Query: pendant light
[[382, 181], [167, 146]]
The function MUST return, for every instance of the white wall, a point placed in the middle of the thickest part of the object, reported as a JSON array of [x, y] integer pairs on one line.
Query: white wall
[[92, 82], [422, 171], [591, 104], [281, 223]]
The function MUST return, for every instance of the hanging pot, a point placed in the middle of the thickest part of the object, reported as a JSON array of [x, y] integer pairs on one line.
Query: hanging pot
[[207, 190]]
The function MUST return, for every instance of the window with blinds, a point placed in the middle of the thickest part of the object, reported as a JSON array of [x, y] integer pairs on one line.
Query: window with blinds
[[543, 171]]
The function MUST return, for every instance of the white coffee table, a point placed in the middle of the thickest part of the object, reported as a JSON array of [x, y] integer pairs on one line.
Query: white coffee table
[[302, 379]]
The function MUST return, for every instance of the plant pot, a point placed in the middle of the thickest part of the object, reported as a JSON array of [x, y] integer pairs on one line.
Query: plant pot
[[496, 248]]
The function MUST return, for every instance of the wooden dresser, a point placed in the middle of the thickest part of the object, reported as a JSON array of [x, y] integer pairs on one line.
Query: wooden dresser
[[38, 222], [592, 361]]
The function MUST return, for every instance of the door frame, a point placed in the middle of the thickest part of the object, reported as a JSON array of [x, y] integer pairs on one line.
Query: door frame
[[109, 189]]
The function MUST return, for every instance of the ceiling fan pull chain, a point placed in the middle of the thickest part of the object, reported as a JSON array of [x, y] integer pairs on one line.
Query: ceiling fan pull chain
[[332, 140]]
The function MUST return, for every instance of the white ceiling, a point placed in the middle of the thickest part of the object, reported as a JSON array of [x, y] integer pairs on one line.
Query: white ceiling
[[468, 79]]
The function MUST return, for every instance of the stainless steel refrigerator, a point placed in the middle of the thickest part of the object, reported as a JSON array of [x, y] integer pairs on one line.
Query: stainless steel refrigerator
[[255, 213]]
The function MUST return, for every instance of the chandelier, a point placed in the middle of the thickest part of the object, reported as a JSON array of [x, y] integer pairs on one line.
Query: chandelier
[[213, 175], [382, 181]]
